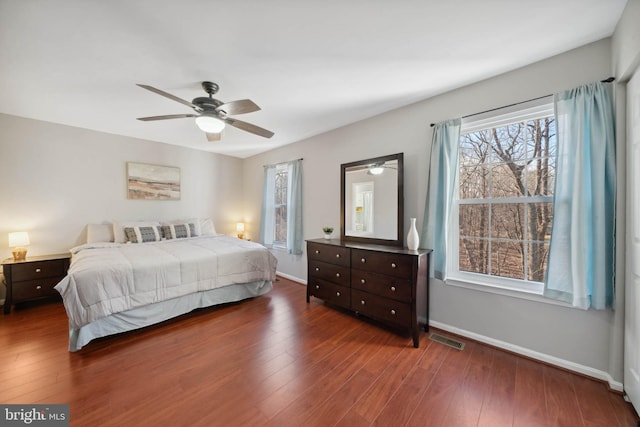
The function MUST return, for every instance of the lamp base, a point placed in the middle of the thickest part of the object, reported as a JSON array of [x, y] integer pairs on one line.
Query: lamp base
[[240, 235], [19, 254]]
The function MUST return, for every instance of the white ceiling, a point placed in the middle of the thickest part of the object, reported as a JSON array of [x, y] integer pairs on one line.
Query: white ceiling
[[312, 66]]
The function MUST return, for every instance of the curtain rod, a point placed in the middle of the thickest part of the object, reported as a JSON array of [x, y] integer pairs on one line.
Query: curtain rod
[[608, 80], [280, 163]]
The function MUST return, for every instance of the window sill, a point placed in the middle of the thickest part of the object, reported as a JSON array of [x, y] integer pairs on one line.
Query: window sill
[[498, 290]]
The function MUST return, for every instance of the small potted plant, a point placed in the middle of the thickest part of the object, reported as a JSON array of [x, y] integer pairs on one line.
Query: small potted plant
[[327, 231]]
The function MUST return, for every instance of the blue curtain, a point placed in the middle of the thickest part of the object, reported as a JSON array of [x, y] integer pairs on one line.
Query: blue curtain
[[294, 208], [266, 217], [442, 174], [580, 270]]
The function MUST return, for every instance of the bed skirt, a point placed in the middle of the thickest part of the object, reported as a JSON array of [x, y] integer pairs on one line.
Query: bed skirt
[[155, 313]]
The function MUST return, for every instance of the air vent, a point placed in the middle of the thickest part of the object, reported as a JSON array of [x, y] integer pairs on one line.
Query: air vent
[[447, 341]]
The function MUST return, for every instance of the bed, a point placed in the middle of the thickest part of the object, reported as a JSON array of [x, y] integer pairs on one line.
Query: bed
[[116, 286]]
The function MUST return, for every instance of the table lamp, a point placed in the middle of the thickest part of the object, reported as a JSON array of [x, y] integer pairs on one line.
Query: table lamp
[[240, 230], [18, 240]]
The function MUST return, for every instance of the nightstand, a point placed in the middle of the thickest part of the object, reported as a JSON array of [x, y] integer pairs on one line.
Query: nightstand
[[33, 278]]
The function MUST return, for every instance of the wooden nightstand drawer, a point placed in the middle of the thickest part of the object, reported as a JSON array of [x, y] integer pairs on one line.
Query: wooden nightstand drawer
[[38, 269], [32, 289]]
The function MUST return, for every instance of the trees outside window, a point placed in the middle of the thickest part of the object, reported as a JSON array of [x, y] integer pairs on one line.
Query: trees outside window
[[280, 207], [504, 199]]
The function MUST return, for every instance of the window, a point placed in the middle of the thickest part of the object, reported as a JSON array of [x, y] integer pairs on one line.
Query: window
[[503, 207], [280, 207], [275, 211]]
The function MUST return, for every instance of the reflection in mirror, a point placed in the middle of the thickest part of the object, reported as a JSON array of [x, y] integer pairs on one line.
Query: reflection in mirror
[[372, 200]]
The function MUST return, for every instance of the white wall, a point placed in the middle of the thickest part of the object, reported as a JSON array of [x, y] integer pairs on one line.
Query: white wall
[[55, 179], [556, 333]]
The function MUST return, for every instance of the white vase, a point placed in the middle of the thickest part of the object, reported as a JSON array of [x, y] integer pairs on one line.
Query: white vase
[[413, 239], [327, 236]]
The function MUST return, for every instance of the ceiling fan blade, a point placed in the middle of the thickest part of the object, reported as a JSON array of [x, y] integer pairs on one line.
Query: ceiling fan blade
[[168, 95], [249, 127], [169, 116], [213, 136], [241, 106]]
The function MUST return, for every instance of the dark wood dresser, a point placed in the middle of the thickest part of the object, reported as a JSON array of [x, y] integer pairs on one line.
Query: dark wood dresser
[[33, 278], [386, 283]]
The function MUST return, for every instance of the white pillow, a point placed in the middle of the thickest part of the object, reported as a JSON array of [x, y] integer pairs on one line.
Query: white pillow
[[99, 233], [118, 228], [207, 228]]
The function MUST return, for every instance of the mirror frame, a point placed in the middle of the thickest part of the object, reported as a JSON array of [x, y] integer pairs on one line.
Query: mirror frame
[[399, 241]]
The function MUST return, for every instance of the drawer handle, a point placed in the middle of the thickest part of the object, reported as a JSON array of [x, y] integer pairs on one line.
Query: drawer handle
[[338, 294], [363, 260], [38, 287], [337, 274], [363, 281], [393, 265], [393, 289], [393, 312], [317, 251], [317, 286], [337, 255], [362, 302], [317, 268], [38, 270]]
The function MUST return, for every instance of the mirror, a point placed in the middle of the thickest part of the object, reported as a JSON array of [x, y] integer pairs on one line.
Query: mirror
[[372, 200]]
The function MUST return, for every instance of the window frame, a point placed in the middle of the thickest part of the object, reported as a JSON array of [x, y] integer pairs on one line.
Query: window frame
[[521, 112], [280, 169]]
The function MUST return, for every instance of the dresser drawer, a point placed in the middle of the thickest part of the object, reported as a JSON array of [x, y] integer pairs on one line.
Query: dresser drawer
[[38, 269], [385, 286], [381, 308], [32, 289], [327, 253], [391, 264], [330, 292], [335, 273]]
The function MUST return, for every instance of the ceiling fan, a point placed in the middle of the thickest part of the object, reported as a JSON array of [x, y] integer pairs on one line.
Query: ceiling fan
[[212, 114]]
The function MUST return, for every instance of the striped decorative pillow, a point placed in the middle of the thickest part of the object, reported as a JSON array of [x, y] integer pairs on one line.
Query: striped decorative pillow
[[137, 234], [178, 231]]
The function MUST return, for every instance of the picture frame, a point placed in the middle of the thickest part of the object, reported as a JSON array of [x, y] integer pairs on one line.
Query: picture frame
[[152, 182]]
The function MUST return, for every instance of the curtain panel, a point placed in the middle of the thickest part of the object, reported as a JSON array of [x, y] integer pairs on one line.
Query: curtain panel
[[581, 259], [440, 191], [294, 208], [266, 217]]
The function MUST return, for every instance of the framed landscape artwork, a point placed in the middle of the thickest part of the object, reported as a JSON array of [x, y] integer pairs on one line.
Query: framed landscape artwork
[[152, 182]]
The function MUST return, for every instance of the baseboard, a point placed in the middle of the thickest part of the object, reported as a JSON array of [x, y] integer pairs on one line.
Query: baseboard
[[292, 278], [546, 358]]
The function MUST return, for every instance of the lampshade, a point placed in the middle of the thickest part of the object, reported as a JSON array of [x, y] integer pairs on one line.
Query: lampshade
[[18, 238], [209, 124]]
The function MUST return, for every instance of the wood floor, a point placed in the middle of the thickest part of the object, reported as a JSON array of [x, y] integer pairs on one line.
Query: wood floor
[[278, 361]]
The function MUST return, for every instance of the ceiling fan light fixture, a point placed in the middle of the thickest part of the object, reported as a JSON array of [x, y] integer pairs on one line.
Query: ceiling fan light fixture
[[209, 124], [376, 169]]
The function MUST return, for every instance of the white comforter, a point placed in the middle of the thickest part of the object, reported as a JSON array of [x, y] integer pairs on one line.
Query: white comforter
[[110, 278]]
